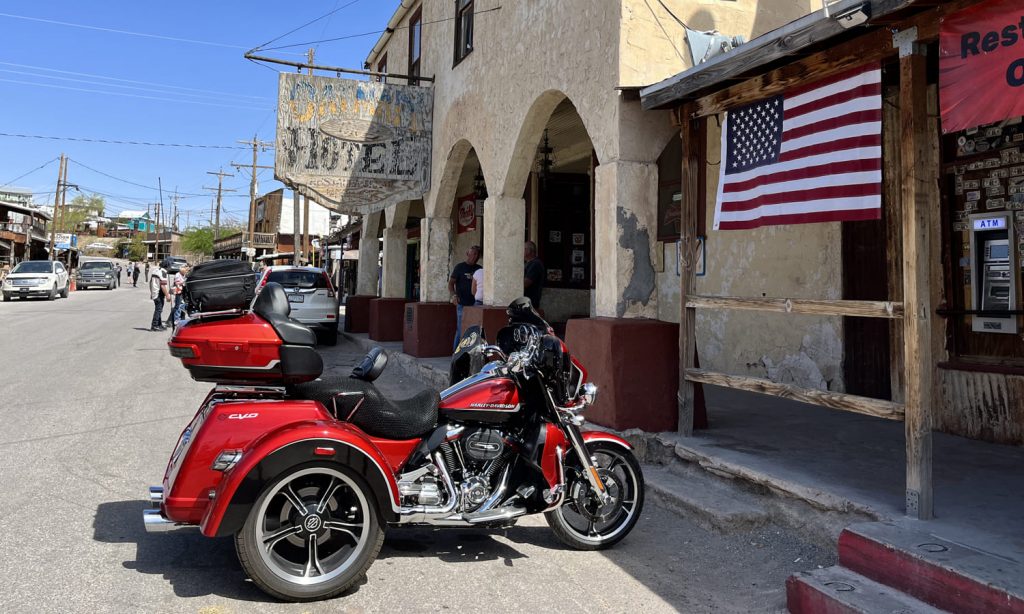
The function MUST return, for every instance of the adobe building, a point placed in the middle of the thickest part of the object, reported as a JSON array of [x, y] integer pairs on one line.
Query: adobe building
[[539, 134]]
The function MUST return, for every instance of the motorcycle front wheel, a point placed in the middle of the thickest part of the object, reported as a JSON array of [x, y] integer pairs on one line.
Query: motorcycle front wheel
[[582, 522], [311, 534]]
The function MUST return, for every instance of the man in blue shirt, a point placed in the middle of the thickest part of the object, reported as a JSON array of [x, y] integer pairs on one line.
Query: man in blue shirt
[[460, 286]]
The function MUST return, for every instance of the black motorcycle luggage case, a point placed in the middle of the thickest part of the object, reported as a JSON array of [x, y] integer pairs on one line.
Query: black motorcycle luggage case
[[219, 285]]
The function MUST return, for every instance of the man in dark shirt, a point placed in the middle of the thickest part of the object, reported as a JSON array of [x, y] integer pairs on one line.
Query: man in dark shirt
[[535, 273], [460, 286]]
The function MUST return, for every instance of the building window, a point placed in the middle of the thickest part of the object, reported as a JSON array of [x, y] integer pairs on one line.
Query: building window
[[382, 67], [463, 29], [415, 45]]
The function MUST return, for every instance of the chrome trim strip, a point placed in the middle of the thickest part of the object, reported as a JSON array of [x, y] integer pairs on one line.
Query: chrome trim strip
[[469, 381], [269, 365], [154, 522]]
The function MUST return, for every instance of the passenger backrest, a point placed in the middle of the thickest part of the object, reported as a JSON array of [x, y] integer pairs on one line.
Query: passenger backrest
[[271, 301]]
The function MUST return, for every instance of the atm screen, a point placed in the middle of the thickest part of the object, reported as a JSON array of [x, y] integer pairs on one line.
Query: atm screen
[[999, 252]]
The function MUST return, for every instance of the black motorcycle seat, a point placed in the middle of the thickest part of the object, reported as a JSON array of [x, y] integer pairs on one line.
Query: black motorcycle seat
[[376, 415], [272, 305]]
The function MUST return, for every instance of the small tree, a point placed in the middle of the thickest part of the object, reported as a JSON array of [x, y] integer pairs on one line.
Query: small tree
[[81, 208], [198, 241], [137, 249]]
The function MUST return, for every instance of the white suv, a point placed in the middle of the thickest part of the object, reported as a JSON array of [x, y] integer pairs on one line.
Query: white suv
[[37, 278], [311, 296]]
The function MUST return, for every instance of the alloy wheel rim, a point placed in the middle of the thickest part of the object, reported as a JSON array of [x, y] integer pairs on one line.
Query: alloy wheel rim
[[599, 523], [312, 526]]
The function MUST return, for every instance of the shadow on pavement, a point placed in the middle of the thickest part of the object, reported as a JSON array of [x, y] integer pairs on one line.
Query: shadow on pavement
[[457, 545], [194, 565]]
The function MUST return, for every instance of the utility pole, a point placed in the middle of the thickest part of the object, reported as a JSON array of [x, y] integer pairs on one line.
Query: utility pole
[[256, 145], [159, 211], [174, 210], [220, 188], [305, 199], [53, 222], [295, 228]]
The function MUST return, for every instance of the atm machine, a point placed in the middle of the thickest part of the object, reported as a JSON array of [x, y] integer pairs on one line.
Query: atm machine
[[994, 272]]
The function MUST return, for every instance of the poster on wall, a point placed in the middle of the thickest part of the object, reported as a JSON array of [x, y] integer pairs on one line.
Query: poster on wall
[[465, 207], [981, 65]]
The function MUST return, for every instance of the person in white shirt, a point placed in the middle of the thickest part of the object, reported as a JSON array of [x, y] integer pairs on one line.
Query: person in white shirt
[[478, 287], [177, 287], [158, 291]]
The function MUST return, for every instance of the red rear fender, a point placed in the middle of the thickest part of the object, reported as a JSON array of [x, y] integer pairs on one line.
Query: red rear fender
[[271, 456]]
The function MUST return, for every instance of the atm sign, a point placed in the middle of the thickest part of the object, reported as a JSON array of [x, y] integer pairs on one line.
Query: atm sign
[[990, 223]]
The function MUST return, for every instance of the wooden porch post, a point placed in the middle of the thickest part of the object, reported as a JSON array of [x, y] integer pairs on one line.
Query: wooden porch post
[[920, 198], [690, 130]]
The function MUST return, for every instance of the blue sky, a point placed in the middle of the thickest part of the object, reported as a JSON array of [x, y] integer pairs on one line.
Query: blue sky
[[171, 91]]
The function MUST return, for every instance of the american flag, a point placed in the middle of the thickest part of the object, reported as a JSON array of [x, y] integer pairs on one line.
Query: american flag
[[812, 154]]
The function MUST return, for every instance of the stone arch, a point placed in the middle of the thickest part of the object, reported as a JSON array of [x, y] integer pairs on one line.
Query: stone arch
[[449, 182], [525, 149]]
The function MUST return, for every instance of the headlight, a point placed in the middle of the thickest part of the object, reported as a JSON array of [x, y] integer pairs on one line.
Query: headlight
[[43, 282], [107, 275], [589, 393]]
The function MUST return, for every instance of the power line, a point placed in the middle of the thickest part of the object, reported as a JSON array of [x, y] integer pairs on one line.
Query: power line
[[127, 32], [149, 83], [127, 95], [38, 168], [122, 180], [308, 23], [350, 36], [117, 142]]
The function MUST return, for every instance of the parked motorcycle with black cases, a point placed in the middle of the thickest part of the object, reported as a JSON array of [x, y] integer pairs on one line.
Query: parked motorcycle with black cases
[[308, 472]]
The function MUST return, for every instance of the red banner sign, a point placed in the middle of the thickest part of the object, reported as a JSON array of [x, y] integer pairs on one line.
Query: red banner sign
[[981, 65], [465, 208]]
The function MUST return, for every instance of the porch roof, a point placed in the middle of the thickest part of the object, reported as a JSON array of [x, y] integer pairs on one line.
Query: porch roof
[[794, 40]]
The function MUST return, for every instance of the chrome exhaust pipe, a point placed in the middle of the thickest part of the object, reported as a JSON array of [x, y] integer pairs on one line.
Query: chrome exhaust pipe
[[154, 522], [422, 513], [156, 495]]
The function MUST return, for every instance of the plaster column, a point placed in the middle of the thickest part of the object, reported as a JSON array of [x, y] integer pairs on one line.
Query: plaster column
[[625, 229], [369, 254], [505, 230], [394, 262], [435, 258]]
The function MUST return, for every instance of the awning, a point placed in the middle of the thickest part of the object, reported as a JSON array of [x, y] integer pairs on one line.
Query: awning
[[27, 210]]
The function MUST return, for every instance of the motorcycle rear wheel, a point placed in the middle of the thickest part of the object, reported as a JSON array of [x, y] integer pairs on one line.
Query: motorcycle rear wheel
[[582, 522], [311, 534]]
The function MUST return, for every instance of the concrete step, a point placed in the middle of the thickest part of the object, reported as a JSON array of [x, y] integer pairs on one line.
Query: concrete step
[[837, 590], [710, 501], [945, 574]]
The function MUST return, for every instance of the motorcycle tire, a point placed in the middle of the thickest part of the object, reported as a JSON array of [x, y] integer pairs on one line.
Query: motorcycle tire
[[627, 486], [290, 567]]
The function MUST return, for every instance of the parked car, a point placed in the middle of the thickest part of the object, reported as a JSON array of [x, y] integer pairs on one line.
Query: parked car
[[175, 262], [311, 296], [96, 273], [37, 278]]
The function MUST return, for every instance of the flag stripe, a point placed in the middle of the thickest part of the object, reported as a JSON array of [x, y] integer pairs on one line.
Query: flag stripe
[[849, 119], [806, 207], [862, 103], [809, 195], [830, 136], [856, 142], [868, 90], [800, 185], [804, 218], [824, 89], [857, 154], [804, 171]]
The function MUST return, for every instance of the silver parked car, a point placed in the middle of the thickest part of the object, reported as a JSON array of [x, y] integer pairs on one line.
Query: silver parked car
[[311, 296], [37, 278]]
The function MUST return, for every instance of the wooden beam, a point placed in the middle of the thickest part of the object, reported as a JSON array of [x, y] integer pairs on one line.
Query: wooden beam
[[857, 309], [920, 198], [691, 130], [834, 400], [892, 207], [782, 42], [873, 46]]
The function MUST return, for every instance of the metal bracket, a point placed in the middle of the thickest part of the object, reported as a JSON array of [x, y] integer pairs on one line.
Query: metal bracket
[[907, 43], [912, 503]]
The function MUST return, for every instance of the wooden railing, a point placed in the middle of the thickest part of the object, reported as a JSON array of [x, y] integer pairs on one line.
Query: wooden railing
[[239, 240]]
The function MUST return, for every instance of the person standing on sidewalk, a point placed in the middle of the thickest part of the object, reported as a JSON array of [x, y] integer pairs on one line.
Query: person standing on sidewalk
[[177, 287], [534, 274], [460, 287], [158, 291]]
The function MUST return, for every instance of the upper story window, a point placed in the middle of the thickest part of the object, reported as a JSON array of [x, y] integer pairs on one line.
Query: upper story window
[[382, 67], [463, 29], [415, 44]]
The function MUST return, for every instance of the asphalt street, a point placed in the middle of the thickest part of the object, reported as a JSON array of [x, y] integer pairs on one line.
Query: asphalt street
[[91, 404]]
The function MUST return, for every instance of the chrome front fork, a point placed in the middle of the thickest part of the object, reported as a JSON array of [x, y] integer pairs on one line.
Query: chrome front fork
[[589, 466]]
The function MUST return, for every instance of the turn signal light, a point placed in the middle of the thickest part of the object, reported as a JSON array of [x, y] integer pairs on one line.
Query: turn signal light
[[226, 460], [183, 351]]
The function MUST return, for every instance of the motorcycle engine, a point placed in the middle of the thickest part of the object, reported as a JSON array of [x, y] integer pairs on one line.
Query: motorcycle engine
[[483, 445], [484, 454]]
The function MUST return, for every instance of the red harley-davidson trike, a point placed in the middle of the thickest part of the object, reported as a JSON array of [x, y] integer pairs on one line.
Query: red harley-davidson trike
[[307, 473]]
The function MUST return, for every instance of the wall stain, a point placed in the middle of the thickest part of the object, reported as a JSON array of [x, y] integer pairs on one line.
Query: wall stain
[[641, 286]]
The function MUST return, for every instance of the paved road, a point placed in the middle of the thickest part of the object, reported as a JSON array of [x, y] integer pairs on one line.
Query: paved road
[[91, 404]]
